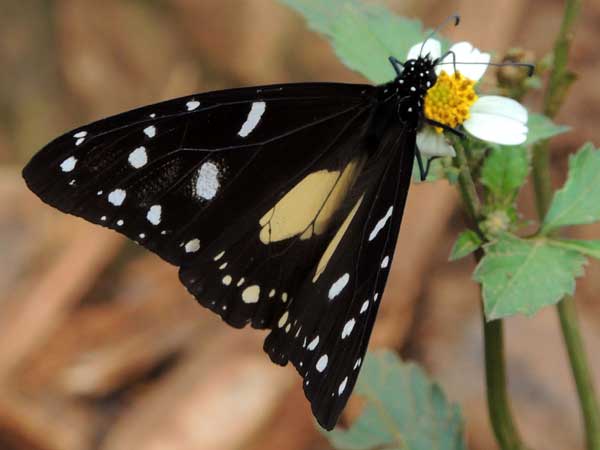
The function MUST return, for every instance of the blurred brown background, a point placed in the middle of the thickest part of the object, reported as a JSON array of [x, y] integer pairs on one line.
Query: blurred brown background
[[101, 348]]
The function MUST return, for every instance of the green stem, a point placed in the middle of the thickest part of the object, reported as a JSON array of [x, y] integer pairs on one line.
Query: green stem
[[505, 430], [499, 409], [465, 182], [560, 80], [579, 367]]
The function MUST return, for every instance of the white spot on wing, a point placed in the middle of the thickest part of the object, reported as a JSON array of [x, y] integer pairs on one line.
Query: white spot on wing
[[117, 197], [364, 306], [337, 287], [192, 246], [138, 158], [348, 328], [120, 222], [227, 280], [80, 134], [219, 256], [154, 214], [379, 225], [251, 294], [342, 386], [68, 164], [192, 105], [256, 112], [283, 320], [385, 262], [79, 141], [207, 182], [322, 363], [313, 344], [150, 131], [357, 363]]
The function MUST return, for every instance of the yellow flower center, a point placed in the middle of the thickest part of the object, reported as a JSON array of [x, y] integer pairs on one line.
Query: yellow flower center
[[450, 99]]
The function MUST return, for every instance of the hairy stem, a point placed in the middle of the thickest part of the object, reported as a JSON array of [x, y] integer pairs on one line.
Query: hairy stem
[[499, 409], [560, 80]]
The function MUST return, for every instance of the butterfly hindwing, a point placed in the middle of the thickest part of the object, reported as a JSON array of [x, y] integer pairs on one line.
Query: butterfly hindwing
[[332, 316]]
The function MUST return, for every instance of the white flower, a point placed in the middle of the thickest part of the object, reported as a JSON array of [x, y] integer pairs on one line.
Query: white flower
[[491, 118]]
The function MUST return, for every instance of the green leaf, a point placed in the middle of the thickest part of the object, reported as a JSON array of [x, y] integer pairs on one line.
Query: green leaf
[[363, 34], [541, 127], [404, 410], [504, 172], [467, 242], [578, 202], [524, 275], [589, 248]]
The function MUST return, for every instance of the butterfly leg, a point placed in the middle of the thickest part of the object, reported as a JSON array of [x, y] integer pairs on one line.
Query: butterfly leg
[[424, 169], [454, 131]]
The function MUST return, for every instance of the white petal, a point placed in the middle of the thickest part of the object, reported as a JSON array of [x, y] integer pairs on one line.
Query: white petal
[[500, 106], [498, 119], [432, 143], [432, 47], [464, 52]]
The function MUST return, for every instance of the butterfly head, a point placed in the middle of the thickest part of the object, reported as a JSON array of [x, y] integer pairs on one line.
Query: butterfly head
[[418, 75]]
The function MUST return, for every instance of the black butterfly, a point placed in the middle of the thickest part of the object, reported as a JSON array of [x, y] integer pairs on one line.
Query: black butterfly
[[280, 204]]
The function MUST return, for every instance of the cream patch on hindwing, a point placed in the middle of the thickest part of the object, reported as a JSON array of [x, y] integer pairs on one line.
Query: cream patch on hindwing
[[381, 223], [219, 256], [348, 327], [154, 214], [308, 207], [254, 116], [227, 280], [138, 158], [207, 181], [338, 286], [117, 197], [333, 244], [251, 294], [322, 363], [192, 246], [68, 164]]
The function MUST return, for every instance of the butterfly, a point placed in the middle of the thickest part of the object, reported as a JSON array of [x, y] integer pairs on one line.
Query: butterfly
[[280, 204]]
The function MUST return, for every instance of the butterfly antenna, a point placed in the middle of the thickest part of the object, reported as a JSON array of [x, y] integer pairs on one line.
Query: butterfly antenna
[[530, 67], [437, 29]]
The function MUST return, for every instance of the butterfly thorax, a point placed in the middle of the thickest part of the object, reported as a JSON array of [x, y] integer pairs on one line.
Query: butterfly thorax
[[411, 87]]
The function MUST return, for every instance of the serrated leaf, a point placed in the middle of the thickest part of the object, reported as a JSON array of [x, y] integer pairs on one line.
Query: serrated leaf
[[404, 410], [363, 34], [578, 202], [504, 172], [588, 248], [467, 242], [524, 275], [541, 127]]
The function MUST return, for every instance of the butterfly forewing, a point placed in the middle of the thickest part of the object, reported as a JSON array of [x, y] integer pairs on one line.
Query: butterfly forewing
[[148, 173]]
